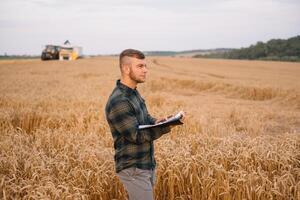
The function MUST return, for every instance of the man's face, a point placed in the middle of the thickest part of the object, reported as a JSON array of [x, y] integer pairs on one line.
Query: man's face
[[137, 70]]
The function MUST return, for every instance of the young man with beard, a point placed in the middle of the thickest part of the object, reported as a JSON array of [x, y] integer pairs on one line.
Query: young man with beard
[[125, 111]]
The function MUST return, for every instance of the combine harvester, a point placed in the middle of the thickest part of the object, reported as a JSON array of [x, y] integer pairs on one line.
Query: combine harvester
[[61, 52]]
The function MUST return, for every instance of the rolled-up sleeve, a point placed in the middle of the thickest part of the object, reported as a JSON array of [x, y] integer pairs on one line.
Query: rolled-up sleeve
[[151, 119], [123, 119]]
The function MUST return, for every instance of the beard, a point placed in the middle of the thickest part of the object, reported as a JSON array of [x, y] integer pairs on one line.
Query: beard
[[135, 78]]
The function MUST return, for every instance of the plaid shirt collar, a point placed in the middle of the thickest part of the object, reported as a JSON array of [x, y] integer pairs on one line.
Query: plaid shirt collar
[[125, 87]]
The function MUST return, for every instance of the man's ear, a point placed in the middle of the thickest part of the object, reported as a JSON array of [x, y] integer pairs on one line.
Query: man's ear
[[126, 68]]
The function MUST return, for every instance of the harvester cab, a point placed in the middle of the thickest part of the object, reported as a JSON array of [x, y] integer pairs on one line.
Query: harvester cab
[[51, 52]]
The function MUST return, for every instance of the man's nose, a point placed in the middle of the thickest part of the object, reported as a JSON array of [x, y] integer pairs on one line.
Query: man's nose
[[145, 69]]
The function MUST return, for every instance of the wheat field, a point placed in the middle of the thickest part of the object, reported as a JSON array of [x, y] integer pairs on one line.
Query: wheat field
[[240, 140]]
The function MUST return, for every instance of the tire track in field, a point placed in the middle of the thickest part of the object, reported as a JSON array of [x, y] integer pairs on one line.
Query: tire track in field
[[184, 72]]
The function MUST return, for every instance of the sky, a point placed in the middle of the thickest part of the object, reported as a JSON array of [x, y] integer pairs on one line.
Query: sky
[[108, 27]]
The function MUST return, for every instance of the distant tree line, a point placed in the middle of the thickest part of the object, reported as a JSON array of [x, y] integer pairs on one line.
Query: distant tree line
[[12, 57], [275, 49]]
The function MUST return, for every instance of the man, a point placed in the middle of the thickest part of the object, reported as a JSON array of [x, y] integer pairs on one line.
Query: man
[[125, 111]]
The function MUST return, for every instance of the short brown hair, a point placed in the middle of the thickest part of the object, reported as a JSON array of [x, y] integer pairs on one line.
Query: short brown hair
[[131, 53]]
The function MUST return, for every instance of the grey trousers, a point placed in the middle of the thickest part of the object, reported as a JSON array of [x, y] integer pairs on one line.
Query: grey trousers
[[138, 183]]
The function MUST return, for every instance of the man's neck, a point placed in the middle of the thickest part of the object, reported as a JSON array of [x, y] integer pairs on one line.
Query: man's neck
[[128, 83]]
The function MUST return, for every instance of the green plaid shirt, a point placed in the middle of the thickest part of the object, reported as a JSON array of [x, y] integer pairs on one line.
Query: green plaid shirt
[[125, 110]]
